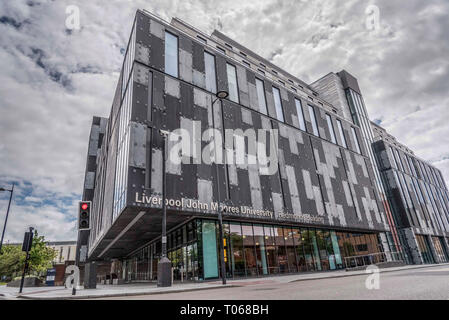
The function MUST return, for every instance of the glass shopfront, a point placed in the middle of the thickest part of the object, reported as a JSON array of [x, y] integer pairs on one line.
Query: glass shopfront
[[251, 250]]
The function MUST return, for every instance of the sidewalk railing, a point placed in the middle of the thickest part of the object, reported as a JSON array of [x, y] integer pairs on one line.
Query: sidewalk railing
[[373, 258]]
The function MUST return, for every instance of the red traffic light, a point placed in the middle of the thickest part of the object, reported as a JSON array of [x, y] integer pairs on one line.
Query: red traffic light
[[84, 206]]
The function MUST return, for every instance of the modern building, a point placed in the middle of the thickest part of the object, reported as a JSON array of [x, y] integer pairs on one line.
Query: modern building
[[419, 198], [318, 203], [65, 251]]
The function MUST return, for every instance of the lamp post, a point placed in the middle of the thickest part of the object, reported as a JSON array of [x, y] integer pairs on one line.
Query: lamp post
[[7, 213], [164, 264], [220, 96]]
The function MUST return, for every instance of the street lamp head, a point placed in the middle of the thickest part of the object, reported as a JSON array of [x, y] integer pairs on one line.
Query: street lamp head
[[222, 94]]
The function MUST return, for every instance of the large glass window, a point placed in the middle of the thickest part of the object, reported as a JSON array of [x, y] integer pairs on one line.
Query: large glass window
[[237, 255], [299, 245], [300, 113], [356, 140], [331, 128], [282, 252], [250, 251], [260, 249], [278, 104], [306, 238], [290, 248], [272, 256], [315, 250], [261, 96], [232, 83], [171, 54], [211, 79], [342, 134]]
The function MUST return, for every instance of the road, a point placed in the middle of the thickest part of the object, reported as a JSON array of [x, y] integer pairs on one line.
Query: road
[[424, 283]]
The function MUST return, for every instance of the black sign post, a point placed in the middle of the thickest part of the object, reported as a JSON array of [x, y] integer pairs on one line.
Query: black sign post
[[26, 246]]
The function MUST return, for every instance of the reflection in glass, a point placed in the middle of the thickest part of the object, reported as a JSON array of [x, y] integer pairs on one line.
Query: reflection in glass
[[270, 247], [260, 249], [171, 54], [250, 252], [236, 238]]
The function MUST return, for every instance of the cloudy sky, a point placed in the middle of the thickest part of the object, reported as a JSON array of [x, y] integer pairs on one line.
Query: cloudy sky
[[53, 80]]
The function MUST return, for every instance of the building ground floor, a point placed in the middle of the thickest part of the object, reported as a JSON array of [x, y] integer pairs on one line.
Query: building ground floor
[[424, 248], [253, 250]]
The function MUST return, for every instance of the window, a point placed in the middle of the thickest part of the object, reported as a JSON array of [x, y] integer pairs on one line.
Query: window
[[394, 158], [246, 63], [232, 82], [263, 66], [356, 139], [261, 71], [342, 134], [243, 53], [313, 119], [294, 89], [211, 80], [331, 128], [171, 54], [228, 45], [261, 96], [278, 104], [282, 82], [300, 113], [274, 71]]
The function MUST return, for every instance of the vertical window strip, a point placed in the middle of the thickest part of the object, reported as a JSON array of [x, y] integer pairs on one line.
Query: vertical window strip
[[342, 134], [313, 119], [278, 104], [261, 98], [331, 128], [171, 54], [232, 83], [211, 78], [356, 140], [300, 113]]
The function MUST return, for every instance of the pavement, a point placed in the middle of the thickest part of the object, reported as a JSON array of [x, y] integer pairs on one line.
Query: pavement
[[145, 289]]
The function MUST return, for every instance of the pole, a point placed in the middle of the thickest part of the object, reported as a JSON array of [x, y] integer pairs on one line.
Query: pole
[[164, 278], [6, 218], [220, 216], [25, 268], [164, 208]]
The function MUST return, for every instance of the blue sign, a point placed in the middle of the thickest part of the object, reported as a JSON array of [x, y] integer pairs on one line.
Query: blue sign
[[50, 279]]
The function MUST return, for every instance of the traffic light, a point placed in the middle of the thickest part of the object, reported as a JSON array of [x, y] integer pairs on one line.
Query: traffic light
[[84, 215]]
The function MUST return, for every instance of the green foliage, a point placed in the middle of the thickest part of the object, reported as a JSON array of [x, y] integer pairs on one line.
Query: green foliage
[[12, 259], [41, 256]]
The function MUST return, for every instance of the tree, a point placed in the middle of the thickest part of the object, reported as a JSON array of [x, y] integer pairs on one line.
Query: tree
[[12, 259], [41, 256]]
